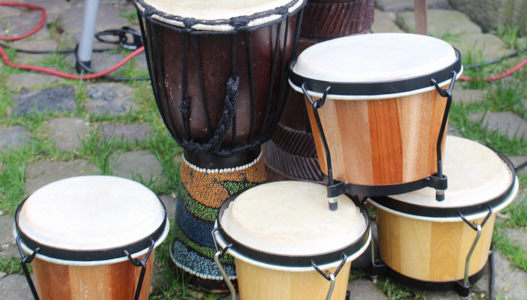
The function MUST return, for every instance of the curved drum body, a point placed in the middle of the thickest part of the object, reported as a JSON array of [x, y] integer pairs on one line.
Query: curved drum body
[[433, 244], [282, 234], [217, 71], [218, 75], [291, 153], [92, 237], [382, 117]]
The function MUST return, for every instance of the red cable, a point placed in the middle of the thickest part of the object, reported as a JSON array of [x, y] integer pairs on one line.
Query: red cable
[[497, 77], [33, 7], [51, 71]]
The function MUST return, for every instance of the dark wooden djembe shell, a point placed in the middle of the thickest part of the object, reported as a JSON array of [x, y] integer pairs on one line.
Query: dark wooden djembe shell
[[220, 93]]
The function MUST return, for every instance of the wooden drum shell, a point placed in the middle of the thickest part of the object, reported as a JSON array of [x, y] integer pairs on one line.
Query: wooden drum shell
[[255, 109], [431, 251], [381, 141], [104, 282], [259, 283]]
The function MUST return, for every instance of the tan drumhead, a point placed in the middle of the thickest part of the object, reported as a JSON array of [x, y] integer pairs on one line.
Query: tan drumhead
[[476, 174], [292, 218], [219, 11], [374, 58], [91, 213]]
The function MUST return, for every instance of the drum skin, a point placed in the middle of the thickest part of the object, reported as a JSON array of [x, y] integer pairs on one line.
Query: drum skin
[[438, 248], [214, 65], [381, 142], [258, 283], [104, 282]]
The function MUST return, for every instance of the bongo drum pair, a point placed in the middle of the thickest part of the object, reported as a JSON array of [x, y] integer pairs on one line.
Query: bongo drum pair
[[90, 237], [378, 107], [445, 245], [287, 243], [218, 74]]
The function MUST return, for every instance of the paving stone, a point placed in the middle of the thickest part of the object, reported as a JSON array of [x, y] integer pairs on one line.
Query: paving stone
[[462, 96], [67, 133], [14, 287], [42, 173], [17, 82], [7, 240], [509, 281], [481, 46], [40, 45], [56, 99], [505, 123], [108, 17], [110, 99], [170, 205], [127, 132], [15, 136], [364, 289], [138, 165], [517, 161], [22, 23], [440, 22], [104, 61], [52, 7], [383, 22], [402, 5], [491, 14]]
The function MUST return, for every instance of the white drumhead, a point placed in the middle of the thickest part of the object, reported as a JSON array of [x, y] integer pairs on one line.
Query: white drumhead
[[292, 218], [91, 213], [476, 174], [221, 11], [374, 58]]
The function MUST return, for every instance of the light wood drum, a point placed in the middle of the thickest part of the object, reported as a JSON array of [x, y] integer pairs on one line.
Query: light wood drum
[[428, 242], [380, 112], [280, 233], [93, 237]]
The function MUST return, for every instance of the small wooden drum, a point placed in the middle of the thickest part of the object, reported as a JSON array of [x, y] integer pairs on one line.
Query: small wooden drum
[[218, 69], [380, 114], [90, 237], [282, 234], [430, 244]]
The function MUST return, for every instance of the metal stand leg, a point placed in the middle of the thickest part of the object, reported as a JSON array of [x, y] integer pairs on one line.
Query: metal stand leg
[[87, 33]]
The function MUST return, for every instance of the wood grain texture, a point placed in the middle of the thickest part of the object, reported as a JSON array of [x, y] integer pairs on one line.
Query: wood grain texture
[[257, 283], [381, 142], [431, 251], [104, 282]]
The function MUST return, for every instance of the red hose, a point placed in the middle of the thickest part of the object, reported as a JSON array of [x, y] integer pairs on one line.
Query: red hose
[[33, 7], [497, 77], [47, 70]]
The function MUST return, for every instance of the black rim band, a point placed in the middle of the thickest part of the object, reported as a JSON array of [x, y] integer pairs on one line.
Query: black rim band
[[440, 212], [90, 255], [294, 261], [375, 88]]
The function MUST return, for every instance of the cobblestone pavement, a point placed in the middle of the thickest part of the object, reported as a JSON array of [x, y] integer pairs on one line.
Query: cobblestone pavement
[[43, 92]]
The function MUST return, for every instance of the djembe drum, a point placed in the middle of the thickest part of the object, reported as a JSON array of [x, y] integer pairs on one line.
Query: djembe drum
[[288, 244], [218, 72], [90, 237], [378, 116], [291, 153], [445, 245]]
